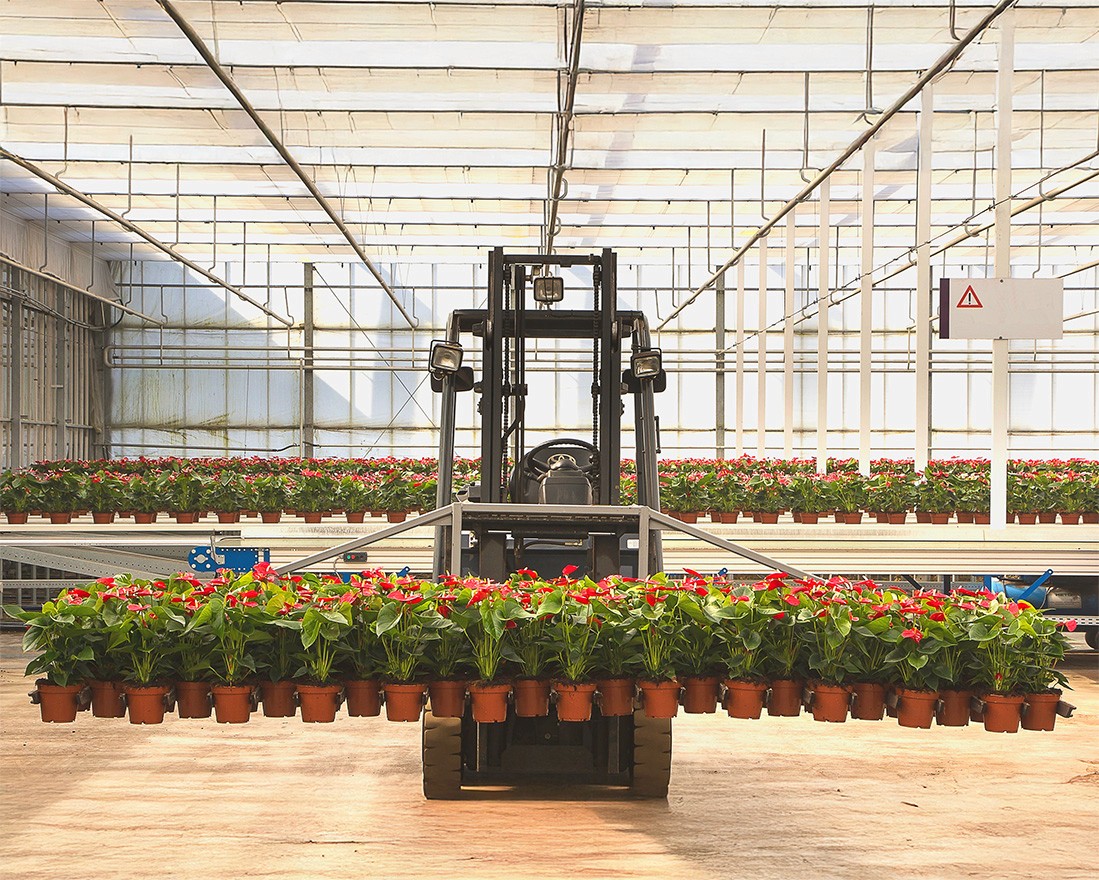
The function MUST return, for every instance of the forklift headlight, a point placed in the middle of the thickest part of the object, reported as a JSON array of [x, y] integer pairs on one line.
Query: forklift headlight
[[647, 363], [445, 357], [549, 289]]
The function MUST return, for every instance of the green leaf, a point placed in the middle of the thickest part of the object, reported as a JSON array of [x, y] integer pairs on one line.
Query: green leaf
[[388, 617]]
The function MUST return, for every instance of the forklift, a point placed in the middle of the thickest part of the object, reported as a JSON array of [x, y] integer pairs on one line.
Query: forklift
[[552, 505]]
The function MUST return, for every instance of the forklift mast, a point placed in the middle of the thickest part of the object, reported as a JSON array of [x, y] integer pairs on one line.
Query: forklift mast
[[521, 306]]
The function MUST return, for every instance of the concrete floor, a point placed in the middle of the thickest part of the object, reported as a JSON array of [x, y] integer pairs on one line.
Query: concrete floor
[[769, 799]]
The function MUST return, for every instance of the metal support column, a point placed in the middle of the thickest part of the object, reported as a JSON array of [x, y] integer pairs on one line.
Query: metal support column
[[307, 400], [761, 355], [788, 340], [61, 367], [866, 315], [740, 358], [921, 446], [822, 326], [1001, 378], [719, 376], [15, 382]]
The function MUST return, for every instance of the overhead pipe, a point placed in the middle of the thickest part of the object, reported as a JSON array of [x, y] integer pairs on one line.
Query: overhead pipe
[[129, 226], [944, 61], [564, 121], [226, 80]]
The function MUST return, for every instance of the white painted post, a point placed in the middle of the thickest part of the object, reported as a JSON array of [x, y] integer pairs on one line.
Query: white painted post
[[1001, 380], [921, 451], [788, 341], [824, 196], [866, 315], [761, 359], [740, 358]]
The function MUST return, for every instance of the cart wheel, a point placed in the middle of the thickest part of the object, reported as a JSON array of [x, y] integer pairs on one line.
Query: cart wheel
[[1092, 638], [442, 757], [652, 755]]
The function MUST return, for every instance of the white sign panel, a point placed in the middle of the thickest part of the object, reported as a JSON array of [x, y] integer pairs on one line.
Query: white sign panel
[[1001, 308]]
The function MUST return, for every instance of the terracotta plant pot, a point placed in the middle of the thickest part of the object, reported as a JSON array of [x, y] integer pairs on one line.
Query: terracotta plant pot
[[146, 705], [940, 519], [193, 699], [185, 519], [61, 519], [1070, 519], [700, 694], [356, 517], [278, 699], [1091, 518], [897, 519], [447, 697], [363, 697], [809, 519], [404, 702], [58, 703], [102, 518], [490, 701], [1027, 519], [869, 702], [574, 700], [852, 519], [744, 699], [982, 519], [1003, 712], [659, 699], [922, 516], [107, 699], [953, 708], [616, 697], [532, 697], [1040, 711], [224, 517], [768, 518], [966, 516], [829, 702], [395, 517], [312, 517], [730, 517], [1047, 517], [784, 697], [916, 708], [270, 516], [232, 703], [16, 519], [318, 702]]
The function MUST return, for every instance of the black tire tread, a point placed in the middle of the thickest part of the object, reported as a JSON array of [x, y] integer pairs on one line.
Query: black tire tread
[[652, 756], [442, 757]]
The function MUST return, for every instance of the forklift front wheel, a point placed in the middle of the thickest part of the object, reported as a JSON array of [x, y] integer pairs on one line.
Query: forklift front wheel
[[652, 756], [442, 757]]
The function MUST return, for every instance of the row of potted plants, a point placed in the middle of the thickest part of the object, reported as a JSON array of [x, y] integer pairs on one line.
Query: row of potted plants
[[764, 489], [837, 646]]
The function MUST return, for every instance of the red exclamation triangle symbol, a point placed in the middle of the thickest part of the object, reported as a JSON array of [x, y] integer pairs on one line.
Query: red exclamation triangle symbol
[[969, 299]]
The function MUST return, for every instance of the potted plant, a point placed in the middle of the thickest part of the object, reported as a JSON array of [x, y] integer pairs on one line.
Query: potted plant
[[872, 638], [830, 659], [276, 657], [139, 631], [660, 629], [354, 495], [58, 632], [323, 629], [529, 647], [698, 650], [618, 652], [1000, 665], [784, 647], [190, 658], [404, 628], [268, 496], [486, 616], [236, 622], [17, 492], [102, 492], [1043, 646], [743, 624], [449, 657], [56, 495], [916, 688], [954, 661], [890, 494], [574, 627], [362, 686], [312, 494], [182, 493]]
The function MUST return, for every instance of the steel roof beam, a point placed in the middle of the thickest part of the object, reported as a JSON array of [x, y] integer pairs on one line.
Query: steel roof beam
[[226, 80], [944, 61], [85, 199]]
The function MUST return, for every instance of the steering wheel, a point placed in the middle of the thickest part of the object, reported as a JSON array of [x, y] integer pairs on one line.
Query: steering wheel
[[535, 469]]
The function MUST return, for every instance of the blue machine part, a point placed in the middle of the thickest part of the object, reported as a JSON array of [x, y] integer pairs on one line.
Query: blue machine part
[[203, 559], [1034, 592]]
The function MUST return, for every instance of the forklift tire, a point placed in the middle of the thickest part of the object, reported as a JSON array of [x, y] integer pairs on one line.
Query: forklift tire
[[652, 756], [442, 757], [1092, 638]]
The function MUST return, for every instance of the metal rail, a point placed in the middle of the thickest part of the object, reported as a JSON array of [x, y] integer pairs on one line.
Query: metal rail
[[226, 80], [564, 125]]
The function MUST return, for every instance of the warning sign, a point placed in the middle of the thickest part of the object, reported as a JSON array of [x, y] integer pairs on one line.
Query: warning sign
[[969, 299], [1001, 308]]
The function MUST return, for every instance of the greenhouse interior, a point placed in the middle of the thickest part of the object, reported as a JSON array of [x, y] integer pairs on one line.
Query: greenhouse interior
[[416, 415]]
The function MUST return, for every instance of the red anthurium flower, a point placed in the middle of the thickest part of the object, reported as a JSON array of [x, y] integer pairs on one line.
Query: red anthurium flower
[[529, 573], [791, 600], [651, 599], [702, 591], [569, 569], [134, 606], [692, 572], [780, 616], [79, 593], [938, 616], [1070, 625], [913, 634], [106, 581]]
